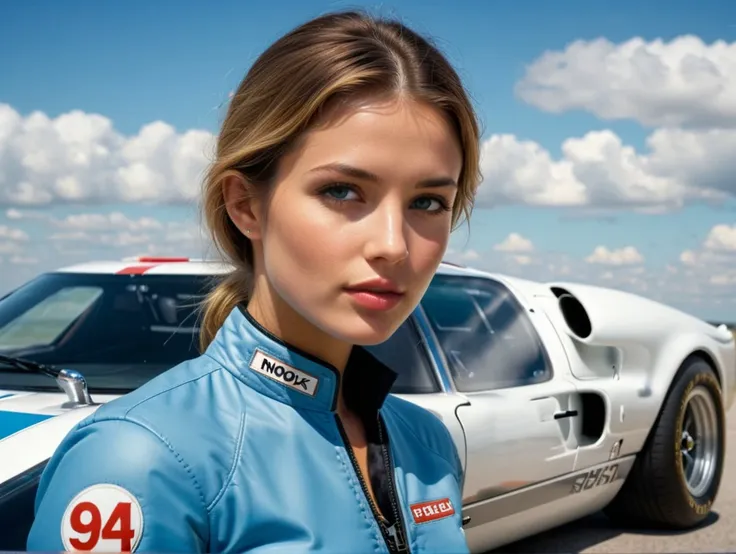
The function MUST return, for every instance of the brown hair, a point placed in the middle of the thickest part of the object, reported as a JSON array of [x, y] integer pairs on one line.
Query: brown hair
[[336, 55]]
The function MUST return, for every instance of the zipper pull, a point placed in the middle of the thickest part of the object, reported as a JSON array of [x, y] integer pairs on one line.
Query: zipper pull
[[398, 543]]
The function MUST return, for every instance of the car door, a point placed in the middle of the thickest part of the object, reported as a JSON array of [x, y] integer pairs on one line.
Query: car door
[[517, 420]]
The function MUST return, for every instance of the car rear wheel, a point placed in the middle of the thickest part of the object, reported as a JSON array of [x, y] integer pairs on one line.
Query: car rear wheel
[[676, 477]]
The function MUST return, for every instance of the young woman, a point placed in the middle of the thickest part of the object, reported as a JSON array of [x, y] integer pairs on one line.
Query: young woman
[[347, 155]]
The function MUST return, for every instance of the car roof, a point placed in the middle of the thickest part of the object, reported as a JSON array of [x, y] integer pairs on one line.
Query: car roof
[[151, 265], [162, 265]]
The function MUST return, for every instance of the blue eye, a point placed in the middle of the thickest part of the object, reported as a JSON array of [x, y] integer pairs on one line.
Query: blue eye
[[425, 203], [339, 192]]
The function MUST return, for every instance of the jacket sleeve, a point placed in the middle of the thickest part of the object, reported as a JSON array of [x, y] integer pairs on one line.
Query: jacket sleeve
[[115, 485]]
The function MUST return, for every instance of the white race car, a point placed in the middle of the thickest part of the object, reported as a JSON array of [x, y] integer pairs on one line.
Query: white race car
[[563, 399]]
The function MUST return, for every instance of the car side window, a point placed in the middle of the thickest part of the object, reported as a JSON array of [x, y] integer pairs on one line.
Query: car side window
[[485, 334], [405, 353]]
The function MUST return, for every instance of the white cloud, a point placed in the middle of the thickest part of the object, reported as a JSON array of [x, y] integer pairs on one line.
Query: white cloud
[[516, 171], [117, 230], [716, 253], [627, 255], [11, 239], [87, 236], [684, 86], [10, 233], [80, 157], [514, 242], [464, 256], [688, 257], [721, 237], [682, 82], [598, 170], [113, 220], [723, 279], [697, 290]]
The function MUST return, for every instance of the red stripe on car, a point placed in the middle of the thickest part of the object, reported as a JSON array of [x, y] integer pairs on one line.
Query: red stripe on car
[[135, 269]]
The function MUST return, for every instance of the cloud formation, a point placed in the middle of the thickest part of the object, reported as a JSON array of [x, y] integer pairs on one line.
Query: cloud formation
[[514, 242], [80, 157], [687, 286], [683, 82], [598, 170], [628, 255], [114, 233]]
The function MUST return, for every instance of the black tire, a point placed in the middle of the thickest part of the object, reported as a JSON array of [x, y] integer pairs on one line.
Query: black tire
[[655, 493]]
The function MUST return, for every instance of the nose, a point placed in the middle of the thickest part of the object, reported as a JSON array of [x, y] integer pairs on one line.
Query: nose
[[387, 235]]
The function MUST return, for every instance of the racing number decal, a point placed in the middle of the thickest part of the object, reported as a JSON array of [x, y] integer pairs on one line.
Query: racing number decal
[[102, 518], [594, 478]]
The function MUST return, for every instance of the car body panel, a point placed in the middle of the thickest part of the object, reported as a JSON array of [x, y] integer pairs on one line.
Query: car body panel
[[537, 455]]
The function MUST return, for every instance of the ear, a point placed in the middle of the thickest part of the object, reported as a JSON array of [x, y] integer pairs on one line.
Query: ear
[[241, 203]]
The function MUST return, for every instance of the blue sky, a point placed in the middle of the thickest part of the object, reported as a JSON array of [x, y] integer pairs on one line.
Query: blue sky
[[138, 62]]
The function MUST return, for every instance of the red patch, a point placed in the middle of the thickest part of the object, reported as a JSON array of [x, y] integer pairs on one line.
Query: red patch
[[432, 510], [136, 269]]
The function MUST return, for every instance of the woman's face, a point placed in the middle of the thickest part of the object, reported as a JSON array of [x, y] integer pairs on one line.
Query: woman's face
[[360, 216]]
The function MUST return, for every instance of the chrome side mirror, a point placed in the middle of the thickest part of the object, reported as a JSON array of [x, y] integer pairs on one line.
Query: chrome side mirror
[[74, 385]]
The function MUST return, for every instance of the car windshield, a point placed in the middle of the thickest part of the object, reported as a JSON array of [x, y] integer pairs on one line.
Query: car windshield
[[119, 331]]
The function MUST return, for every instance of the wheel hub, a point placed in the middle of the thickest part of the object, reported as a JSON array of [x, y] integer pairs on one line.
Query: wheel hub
[[688, 443], [699, 443]]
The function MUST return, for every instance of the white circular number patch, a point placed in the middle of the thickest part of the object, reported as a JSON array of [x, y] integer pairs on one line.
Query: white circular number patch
[[102, 518]]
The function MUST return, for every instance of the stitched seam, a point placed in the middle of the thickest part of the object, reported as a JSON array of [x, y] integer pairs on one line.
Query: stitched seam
[[358, 492], [163, 439], [188, 381], [233, 465]]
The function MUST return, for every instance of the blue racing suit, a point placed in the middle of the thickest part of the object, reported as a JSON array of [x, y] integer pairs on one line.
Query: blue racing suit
[[241, 450]]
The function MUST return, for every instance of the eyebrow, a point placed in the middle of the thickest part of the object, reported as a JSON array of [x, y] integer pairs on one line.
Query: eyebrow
[[365, 175]]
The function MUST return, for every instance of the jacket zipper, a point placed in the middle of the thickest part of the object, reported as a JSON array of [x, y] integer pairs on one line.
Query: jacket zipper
[[393, 536], [397, 530]]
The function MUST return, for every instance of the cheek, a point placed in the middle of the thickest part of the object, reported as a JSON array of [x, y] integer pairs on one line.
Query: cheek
[[426, 254], [429, 244], [303, 243]]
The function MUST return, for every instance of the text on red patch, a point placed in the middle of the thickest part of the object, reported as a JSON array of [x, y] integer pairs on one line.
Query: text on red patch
[[432, 510]]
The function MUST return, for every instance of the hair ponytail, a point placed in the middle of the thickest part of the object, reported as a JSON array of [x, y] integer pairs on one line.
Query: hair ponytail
[[226, 295]]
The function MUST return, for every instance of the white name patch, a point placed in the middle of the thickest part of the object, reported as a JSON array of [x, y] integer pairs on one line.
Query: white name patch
[[102, 518], [280, 372]]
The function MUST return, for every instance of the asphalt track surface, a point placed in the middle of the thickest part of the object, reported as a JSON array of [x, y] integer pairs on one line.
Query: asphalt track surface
[[596, 534]]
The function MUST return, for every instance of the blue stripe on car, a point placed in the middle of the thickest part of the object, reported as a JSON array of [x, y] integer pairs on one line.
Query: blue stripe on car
[[12, 422], [6, 395]]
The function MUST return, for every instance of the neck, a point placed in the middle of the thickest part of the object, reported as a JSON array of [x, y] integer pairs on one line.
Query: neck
[[279, 318]]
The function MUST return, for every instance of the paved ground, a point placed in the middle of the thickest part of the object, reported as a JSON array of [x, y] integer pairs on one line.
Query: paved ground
[[595, 534]]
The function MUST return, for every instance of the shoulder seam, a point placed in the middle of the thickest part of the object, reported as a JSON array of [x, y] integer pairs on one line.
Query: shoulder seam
[[197, 378], [168, 445], [127, 417]]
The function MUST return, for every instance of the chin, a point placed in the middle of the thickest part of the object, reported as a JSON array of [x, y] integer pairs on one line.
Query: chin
[[367, 329]]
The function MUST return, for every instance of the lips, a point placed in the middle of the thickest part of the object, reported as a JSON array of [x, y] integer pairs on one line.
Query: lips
[[375, 290], [377, 286], [376, 294]]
